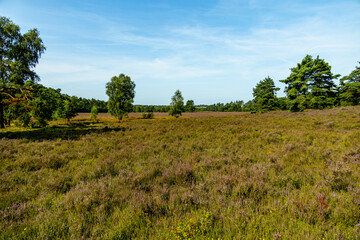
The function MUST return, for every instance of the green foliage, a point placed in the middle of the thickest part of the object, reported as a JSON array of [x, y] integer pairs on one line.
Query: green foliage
[[85, 105], [149, 109], [177, 104], [282, 103], [353, 77], [24, 117], [148, 115], [43, 103], [19, 112], [67, 107], [350, 94], [121, 92], [350, 88], [146, 108], [265, 95], [190, 106], [94, 112], [237, 106], [298, 103], [40, 105], [310, 85], [250, 106], [19, 55]]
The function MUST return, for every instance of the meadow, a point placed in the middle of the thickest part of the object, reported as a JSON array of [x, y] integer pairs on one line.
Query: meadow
[[277, 175]]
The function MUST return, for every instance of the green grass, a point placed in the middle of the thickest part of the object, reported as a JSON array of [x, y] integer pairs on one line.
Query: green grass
[[276, 175]]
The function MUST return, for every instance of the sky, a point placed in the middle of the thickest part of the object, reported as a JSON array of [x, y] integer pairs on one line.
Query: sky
[[211, 50]]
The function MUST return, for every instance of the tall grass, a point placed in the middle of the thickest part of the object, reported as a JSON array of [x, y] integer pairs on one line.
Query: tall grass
[[277, 175]]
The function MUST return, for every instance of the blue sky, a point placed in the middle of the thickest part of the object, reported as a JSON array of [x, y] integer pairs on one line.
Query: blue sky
[[212, 50]]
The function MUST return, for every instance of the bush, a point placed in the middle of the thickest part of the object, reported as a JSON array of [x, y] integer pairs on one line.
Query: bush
[[94, 112], [147, 115], [191, 228]]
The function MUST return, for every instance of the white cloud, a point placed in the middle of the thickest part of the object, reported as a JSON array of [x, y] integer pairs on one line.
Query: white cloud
[[209, 62]]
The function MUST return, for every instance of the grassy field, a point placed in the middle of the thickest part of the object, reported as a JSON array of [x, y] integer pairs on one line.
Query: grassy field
[[166, 115], [277, 175]]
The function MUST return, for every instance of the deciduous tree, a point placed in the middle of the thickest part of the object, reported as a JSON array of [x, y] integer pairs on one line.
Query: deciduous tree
[[94, 112], [177, 104], [19, 54], [67, 107], [190, 106], [121, 92], [43, 103]]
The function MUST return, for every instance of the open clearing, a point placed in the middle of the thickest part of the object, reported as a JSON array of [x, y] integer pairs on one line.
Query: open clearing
[[277, 175], [165, 114]]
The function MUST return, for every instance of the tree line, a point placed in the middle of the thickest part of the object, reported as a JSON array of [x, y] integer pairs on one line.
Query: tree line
[[309, 85], [35, 101]]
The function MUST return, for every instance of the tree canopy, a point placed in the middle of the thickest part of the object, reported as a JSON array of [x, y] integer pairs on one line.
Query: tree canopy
[[19, 54], [310, 85], [177, 104], [94, 112], [190, 106], [350, 88], [121, 92], [265, 95]]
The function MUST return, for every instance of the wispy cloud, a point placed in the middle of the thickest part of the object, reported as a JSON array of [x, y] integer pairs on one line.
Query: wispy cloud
[[220, 56]]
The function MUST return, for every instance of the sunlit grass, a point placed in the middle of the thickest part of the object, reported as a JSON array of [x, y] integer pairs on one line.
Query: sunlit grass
[[277, 175]]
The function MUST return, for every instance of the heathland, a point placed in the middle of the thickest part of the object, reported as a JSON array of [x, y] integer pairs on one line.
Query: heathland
[[277, 175]]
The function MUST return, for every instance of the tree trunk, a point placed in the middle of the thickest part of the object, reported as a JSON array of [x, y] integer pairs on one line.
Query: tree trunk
[[2, 122]]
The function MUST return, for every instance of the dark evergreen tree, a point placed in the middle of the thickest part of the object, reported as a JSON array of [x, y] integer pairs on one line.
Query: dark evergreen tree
[[265, 95], [350, 88], [249, 106], [311, 85]]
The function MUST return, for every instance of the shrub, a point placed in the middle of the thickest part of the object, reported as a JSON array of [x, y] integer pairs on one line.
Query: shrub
[[149, 115], [191, 228], [94, 112]]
